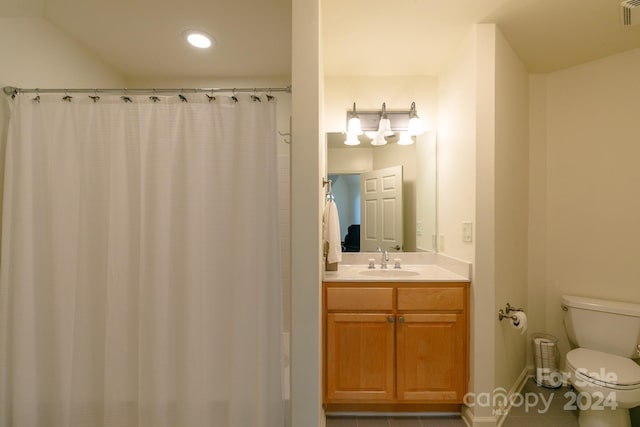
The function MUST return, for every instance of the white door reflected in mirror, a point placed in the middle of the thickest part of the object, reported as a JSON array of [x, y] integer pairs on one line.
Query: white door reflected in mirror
[[381, 209]]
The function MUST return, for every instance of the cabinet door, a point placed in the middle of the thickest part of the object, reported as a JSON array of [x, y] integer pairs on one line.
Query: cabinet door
[[360, 356], [430, 364]]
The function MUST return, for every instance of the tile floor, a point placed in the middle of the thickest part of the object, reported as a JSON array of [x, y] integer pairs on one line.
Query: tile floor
[[520, 416], [556, 413]]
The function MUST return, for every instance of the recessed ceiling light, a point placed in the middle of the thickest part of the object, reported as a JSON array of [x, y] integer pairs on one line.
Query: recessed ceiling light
[[198, 39]]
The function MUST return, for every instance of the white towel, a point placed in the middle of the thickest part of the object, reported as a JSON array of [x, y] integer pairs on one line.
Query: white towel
[[331, 232]]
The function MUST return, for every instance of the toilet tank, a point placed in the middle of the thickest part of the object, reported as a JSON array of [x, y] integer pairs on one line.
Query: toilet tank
[[603, 325]]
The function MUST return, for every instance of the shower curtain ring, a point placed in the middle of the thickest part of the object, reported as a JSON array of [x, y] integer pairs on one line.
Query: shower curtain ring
[[95, 96], [254, 97]]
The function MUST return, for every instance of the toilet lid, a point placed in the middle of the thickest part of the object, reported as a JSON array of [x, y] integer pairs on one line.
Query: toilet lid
[[605, 368]]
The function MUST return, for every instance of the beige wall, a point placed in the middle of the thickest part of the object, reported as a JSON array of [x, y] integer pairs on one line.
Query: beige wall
[[307, 167], [457, 149], [585, 149], [482, 177], [511, 207], [484, 275], [457, 100], [35, 53]]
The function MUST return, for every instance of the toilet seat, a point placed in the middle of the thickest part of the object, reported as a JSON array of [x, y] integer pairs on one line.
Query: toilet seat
[[604, 369]]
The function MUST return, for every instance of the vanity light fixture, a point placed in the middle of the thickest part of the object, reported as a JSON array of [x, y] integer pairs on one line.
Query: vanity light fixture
[[354, 127], [198, 39], [384, 124]]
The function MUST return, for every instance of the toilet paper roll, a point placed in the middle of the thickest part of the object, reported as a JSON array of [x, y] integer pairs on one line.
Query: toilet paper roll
[[520, 322]]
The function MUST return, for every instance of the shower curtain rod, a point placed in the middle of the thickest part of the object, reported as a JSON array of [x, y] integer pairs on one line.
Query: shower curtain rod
[[10, 90]]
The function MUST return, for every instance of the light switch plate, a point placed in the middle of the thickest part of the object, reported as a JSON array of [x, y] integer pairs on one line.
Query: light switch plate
[[467, 231]]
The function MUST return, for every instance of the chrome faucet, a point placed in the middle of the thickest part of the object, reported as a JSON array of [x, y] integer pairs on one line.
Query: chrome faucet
[[385, 259]]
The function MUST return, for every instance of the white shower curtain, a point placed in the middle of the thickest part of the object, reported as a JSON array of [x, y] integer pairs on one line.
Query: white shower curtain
[[140, 278]]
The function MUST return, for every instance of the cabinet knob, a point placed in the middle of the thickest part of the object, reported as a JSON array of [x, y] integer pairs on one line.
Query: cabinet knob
[[390, 319], [401, 319]]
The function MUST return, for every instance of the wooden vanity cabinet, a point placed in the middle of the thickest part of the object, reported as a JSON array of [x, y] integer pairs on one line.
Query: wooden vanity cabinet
[[395, 343]]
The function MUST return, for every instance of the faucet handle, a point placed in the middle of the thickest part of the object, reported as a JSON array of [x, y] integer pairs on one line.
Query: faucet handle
[[372, 263], [397, 263]]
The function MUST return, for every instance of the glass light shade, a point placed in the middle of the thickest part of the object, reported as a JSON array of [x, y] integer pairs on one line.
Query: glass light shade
[[354, 127], [378, 139], [405, 139], [384, 127], [415, 126], [352, 139]]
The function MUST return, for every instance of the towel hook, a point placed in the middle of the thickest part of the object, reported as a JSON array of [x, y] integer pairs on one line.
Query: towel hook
[[288, 141], [328, 183]]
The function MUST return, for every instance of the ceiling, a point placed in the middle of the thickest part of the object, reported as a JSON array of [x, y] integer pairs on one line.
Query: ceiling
[[142, 38], [417, 37]]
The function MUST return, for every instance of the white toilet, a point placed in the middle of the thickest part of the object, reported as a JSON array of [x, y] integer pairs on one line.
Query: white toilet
[[607, 336]]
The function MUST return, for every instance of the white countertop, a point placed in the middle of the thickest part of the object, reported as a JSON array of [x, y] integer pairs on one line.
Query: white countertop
[[428, 268], [425, 273]]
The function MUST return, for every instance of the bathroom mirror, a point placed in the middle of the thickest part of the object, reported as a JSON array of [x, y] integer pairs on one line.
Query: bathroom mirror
[[345, 164]]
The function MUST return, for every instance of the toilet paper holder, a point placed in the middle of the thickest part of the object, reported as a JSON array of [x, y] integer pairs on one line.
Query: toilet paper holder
[[505, 313]]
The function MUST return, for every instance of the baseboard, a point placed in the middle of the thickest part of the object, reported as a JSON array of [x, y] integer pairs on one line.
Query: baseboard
[[499, 414], [516, 388], [473, 421]]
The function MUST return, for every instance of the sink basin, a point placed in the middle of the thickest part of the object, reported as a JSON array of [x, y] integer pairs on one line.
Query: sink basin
[[389, 273]]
